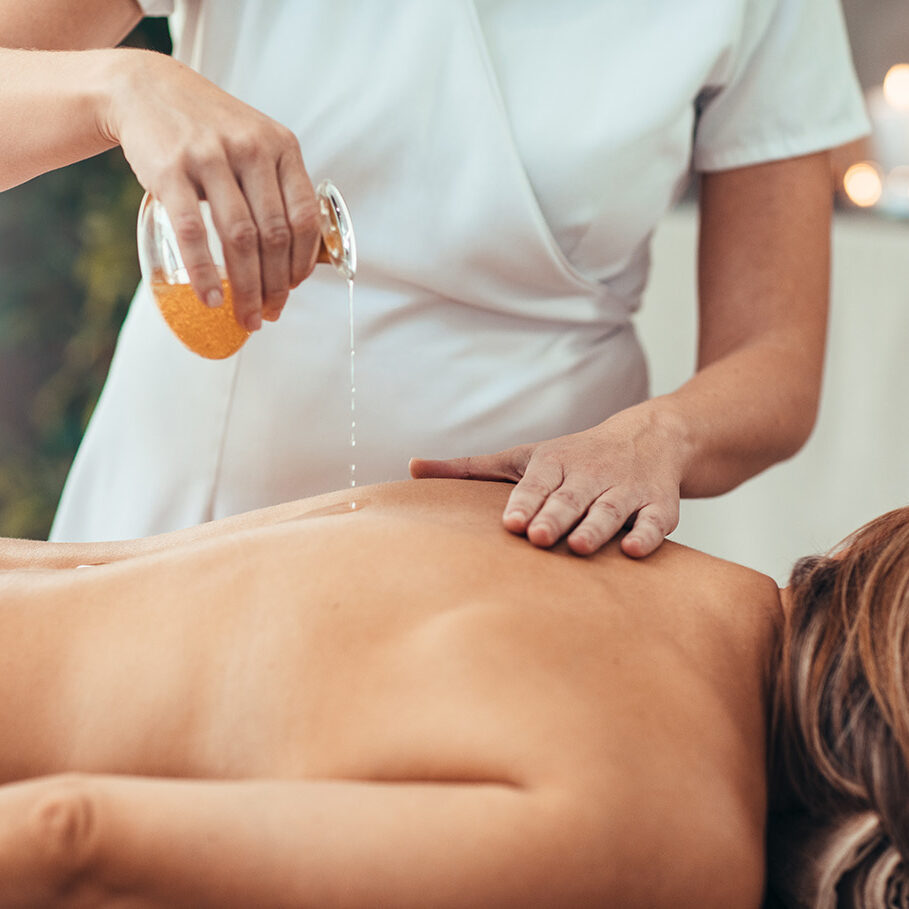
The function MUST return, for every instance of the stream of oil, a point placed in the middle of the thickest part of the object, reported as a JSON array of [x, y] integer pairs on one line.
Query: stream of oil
[[353, 390], [214, 333]]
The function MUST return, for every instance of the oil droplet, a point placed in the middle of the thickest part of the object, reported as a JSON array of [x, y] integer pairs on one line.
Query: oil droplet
[[325, 511]]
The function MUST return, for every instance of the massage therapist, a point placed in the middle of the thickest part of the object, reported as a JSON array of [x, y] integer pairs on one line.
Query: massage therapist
[[505, 164]]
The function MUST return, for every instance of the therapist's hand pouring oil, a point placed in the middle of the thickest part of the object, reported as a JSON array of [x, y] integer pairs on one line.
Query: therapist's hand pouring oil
[[174, 266]]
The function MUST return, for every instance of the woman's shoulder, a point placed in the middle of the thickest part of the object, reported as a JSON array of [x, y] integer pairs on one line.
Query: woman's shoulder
[[728, 587]]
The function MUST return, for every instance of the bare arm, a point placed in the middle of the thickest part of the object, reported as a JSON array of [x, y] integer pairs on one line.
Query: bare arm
[[51, 101], [184, 138], [153, 844], [64, 25], [764, 263]]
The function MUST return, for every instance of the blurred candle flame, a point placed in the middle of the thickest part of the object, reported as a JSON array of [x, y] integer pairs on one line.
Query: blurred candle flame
[[896, 86], [863, 184]]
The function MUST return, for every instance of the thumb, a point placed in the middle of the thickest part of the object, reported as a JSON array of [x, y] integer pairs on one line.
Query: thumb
[[504, 465]]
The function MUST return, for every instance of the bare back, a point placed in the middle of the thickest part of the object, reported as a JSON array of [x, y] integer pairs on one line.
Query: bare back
[[411, 639]]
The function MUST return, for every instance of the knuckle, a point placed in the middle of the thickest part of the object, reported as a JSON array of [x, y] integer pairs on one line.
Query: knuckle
[[243, 236], [608, 509], [203, 157], [246, 299], [64, 824], [189, 228], [304, 219], [661, 501], [171, 167], [246, 148], [275, 233], [287, 139], [549, 455], [535, 487], [191, 157], [670, 518], [571, 498], [247, 305], [663, 519], [470, 468]]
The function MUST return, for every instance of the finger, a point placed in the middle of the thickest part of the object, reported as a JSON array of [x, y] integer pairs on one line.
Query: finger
[[604, 519], [504, 465], [562, 509], [240, 240], [181, 202], [652, 525], [302, 209], [540, 480], [263, 194]]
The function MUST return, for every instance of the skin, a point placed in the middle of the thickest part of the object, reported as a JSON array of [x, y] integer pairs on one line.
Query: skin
[[763, 266], [313, 705]]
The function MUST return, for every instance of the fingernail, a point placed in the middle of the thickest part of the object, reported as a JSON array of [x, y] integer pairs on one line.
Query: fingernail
[[540, 534], [253, 322], [214, 299], [515, 516]]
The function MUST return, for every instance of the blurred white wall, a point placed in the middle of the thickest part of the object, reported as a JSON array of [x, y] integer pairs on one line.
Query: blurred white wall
[[856, 464]]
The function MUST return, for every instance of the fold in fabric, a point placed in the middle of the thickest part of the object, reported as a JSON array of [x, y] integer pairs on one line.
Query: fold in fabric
[[848, 864]]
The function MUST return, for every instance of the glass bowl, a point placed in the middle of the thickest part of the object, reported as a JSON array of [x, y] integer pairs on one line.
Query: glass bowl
[[214, 332]]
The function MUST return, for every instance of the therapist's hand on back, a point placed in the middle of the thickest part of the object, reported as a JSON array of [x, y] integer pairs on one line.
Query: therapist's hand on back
[[586, 486], [187, 140], [763, 287]]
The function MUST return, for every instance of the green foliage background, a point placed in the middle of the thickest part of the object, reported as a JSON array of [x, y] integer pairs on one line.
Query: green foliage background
[[68, 268]]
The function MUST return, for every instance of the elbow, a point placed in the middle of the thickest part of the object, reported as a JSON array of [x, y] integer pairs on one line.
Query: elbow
[[794, 434], [768, 440], [786, 418], [796, 427], [63, 836]]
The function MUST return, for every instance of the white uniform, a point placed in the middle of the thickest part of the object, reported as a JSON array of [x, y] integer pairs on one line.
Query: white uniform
[[505, 163]]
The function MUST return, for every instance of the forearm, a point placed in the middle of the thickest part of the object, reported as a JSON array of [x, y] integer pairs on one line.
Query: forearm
[[763, 285], [53, 105], [740, 414], [91, 841]]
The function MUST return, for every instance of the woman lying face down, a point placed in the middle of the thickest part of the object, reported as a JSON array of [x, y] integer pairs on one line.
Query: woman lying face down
[[400, 704], [840, 751]]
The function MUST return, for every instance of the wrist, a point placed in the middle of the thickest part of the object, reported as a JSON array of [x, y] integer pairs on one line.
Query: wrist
[[117, 72], [667, 430]]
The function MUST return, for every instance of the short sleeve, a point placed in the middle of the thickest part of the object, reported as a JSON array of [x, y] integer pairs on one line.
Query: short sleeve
[[789, 88], [156, 7]]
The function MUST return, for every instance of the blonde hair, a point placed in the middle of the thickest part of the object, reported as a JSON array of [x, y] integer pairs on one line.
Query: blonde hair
[[840, 717]]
